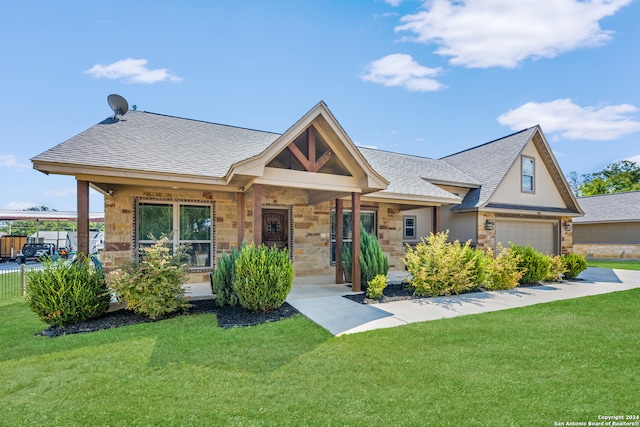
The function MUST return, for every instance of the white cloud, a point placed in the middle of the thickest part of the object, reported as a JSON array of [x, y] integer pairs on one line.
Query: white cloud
[[401, 70], [131, 71], [19, 206], [11, 161], [635, 159], [571, 121], [504, 33], [61, 192], [393, 3]]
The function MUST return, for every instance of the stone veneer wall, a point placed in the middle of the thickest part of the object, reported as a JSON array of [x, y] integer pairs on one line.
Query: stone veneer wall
[[486, 238], [311, 225], [608, 251], [566, 237]]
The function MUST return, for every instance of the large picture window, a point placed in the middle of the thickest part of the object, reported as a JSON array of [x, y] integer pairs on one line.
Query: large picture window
[[367, 220], [185, 223]]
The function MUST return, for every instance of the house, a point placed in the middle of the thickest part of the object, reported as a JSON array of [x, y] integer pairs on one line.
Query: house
[[610, 227], [214, 186]]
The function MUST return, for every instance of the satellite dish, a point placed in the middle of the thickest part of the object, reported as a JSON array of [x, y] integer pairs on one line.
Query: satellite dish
[[118, 104]]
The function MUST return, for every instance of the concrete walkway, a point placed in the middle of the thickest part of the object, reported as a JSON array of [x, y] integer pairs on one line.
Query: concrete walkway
[[322, 302]]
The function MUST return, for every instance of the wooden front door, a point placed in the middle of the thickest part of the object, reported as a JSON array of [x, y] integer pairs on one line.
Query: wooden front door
[[275, 228]]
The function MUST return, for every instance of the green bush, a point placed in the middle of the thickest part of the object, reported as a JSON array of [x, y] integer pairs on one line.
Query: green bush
[[375, 287], [264, 277], [557, 269], [574, 265], [347, 262], [153, 285], [502, 270], [223, 278], [373, 262], [535, 265], [438, 267], [63, 293]]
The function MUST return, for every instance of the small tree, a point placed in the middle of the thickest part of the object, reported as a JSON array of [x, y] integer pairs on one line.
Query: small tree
[[373, 261], [223, 278]]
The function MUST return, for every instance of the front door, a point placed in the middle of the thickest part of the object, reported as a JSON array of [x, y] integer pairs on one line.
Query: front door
[[275, 228]]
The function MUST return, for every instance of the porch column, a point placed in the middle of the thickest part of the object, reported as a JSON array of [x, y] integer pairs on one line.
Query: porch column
[[436, 219], [355, 245], [257, 214], [240, 217], [339, 244], [83, 217]]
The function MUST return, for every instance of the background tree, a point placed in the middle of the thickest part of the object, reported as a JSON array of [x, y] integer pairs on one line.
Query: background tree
[[618, 177]]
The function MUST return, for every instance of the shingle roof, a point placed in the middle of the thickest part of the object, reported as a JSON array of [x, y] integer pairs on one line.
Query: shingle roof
[[488, 164], [152, 142], [618, 207], [411, 174]]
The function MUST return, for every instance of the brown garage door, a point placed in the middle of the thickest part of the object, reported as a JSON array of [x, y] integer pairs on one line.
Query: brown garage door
[[540, 235]]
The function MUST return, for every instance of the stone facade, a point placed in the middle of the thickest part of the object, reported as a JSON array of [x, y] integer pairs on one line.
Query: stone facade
[[311, 228], [566, 236], [486, 238], [608, 251]]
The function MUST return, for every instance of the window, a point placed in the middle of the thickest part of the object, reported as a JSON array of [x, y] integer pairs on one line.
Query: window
[[528, 174], [185, 223], [367, 220], [409, 228]]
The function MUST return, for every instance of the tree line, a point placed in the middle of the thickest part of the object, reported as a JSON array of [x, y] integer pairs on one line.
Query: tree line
[[618, 177]]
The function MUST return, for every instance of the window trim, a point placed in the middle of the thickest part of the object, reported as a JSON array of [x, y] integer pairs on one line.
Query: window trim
[[176, 204], [415, 228], [532, 175]]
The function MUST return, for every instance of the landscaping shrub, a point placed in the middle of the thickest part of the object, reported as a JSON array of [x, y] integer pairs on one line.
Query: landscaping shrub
[[223, 278], [347, 262], [153, 285], [438, 267], [574, 265], [63, 293], [372, 260], [502, 270], [375, 287], [264, 277], [557, 269], [535, 265]]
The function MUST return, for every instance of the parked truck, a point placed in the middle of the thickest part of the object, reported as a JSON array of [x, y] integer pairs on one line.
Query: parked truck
[[10, 246]]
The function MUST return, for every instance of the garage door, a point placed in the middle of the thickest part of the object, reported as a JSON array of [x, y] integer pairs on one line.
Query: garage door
[[540, 235]]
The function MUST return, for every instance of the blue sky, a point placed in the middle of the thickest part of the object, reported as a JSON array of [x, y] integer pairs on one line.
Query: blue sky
[[426, 78]]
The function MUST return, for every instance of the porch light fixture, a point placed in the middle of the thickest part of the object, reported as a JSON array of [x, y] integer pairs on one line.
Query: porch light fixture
[[488, 225], [567, 226]]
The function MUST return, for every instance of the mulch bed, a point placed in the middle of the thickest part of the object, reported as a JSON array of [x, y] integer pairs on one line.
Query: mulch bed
[[228, 317], [402, 291]]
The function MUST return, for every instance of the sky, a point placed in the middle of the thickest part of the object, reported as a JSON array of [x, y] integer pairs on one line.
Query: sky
[[428, 78]]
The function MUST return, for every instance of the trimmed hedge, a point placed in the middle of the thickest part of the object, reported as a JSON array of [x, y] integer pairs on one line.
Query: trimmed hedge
[[63, 293], [264, 277], [574, 265]]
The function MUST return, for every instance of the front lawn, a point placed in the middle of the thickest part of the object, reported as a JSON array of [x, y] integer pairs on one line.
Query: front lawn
[[564, 361], [621, 265]]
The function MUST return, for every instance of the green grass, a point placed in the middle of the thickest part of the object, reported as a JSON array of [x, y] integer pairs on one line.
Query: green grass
[[564, 361], [621, 265], [9, 284]]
